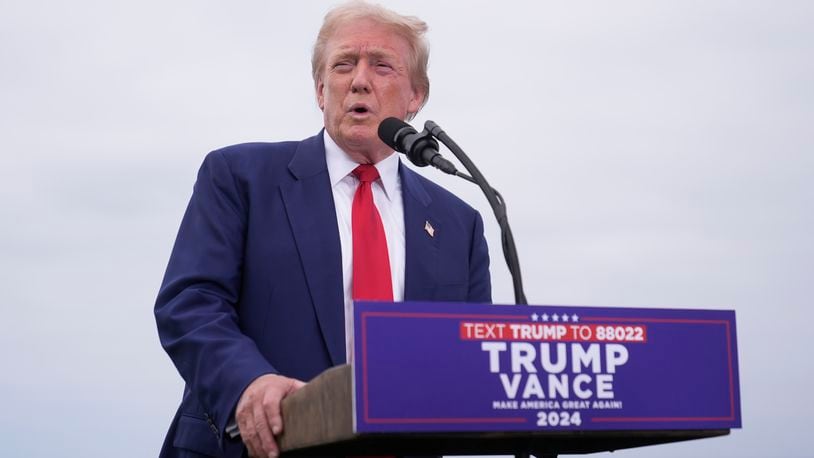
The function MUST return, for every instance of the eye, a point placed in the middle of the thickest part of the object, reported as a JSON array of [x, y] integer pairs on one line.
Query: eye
[[342, 66], [384, 67]]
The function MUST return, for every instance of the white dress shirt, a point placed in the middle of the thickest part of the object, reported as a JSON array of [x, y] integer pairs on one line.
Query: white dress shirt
[[387, 197]]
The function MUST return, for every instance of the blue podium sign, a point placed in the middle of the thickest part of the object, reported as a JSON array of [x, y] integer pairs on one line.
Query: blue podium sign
[[425, 367]]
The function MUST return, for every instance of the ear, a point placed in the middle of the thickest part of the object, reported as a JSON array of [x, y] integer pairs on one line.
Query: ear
[[416, 100], [320, 94]]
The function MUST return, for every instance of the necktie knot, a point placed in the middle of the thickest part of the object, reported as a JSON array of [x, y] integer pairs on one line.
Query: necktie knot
[[366, 173]]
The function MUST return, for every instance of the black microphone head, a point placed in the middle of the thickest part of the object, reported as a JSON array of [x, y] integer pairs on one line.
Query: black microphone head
[[388, 130]]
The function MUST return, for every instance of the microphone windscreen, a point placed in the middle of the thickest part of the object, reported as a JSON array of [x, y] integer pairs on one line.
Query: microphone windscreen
[[388, 130]]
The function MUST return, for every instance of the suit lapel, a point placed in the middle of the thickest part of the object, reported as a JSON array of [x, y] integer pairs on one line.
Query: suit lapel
[[421, 249], [311, 213]]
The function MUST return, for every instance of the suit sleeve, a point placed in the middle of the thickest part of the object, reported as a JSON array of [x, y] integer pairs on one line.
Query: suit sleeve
[[196, 309], [480, 285]]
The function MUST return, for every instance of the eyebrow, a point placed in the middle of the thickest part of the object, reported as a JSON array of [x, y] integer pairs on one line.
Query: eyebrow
[[375, 53]]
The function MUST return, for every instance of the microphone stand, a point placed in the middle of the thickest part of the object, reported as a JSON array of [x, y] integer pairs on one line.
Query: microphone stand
[[497, 203]]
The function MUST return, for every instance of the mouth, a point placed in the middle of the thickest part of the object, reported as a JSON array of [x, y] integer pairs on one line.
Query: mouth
[[359, 109]]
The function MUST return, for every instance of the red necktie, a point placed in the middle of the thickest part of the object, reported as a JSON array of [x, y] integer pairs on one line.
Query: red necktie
[[371, 264]]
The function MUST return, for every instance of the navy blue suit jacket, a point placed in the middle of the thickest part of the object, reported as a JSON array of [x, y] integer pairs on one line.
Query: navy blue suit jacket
[[254, 283]]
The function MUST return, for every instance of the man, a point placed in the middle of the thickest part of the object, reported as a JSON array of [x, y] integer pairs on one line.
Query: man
[[270, 253]]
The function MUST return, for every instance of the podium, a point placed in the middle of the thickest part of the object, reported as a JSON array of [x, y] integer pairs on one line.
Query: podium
[[356, 410]]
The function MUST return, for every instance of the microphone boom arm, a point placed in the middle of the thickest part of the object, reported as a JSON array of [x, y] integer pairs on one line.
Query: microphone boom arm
[[497, 203]]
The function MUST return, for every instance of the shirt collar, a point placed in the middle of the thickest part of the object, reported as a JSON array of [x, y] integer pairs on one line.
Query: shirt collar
[[341, 165]]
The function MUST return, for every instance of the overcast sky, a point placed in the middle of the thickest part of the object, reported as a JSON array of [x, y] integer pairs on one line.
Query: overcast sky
[[652, 154]]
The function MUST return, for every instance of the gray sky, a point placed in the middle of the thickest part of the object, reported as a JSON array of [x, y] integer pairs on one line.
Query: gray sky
[[652, 153]]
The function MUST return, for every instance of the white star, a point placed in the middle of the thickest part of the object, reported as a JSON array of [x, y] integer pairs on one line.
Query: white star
[[544, 316], [574, 318], [565, 317], [555, 317], [534, 317]]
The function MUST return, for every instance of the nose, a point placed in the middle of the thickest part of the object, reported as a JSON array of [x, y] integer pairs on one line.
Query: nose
[[361, 79]]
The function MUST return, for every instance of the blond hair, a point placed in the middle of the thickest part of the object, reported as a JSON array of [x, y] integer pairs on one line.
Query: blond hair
[[411, 28]]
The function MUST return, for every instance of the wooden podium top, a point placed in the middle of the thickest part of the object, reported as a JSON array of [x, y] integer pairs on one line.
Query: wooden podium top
[[318, 420]]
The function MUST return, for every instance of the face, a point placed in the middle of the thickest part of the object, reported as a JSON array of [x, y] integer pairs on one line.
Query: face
[[364, 80]]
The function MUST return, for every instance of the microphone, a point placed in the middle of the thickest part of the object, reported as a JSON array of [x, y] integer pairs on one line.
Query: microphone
[[420, 148]]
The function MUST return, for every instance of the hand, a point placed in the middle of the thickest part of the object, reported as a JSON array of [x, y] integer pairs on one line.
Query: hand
[[258, 413]]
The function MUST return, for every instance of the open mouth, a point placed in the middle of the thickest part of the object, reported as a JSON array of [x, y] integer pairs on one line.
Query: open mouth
[[359, 109]]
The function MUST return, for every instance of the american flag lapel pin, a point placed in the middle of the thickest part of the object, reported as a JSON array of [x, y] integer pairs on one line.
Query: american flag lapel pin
[[428, 227]]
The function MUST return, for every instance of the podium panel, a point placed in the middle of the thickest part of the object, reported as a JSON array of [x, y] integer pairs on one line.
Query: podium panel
[[432, 378]]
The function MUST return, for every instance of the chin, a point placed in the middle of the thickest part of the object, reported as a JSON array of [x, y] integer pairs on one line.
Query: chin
[[363, 133]]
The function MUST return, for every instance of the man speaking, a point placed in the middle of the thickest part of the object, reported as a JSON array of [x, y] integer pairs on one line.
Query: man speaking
[[279, 239]]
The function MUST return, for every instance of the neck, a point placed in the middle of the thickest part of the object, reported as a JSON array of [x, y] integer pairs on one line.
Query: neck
[[364, 157]]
